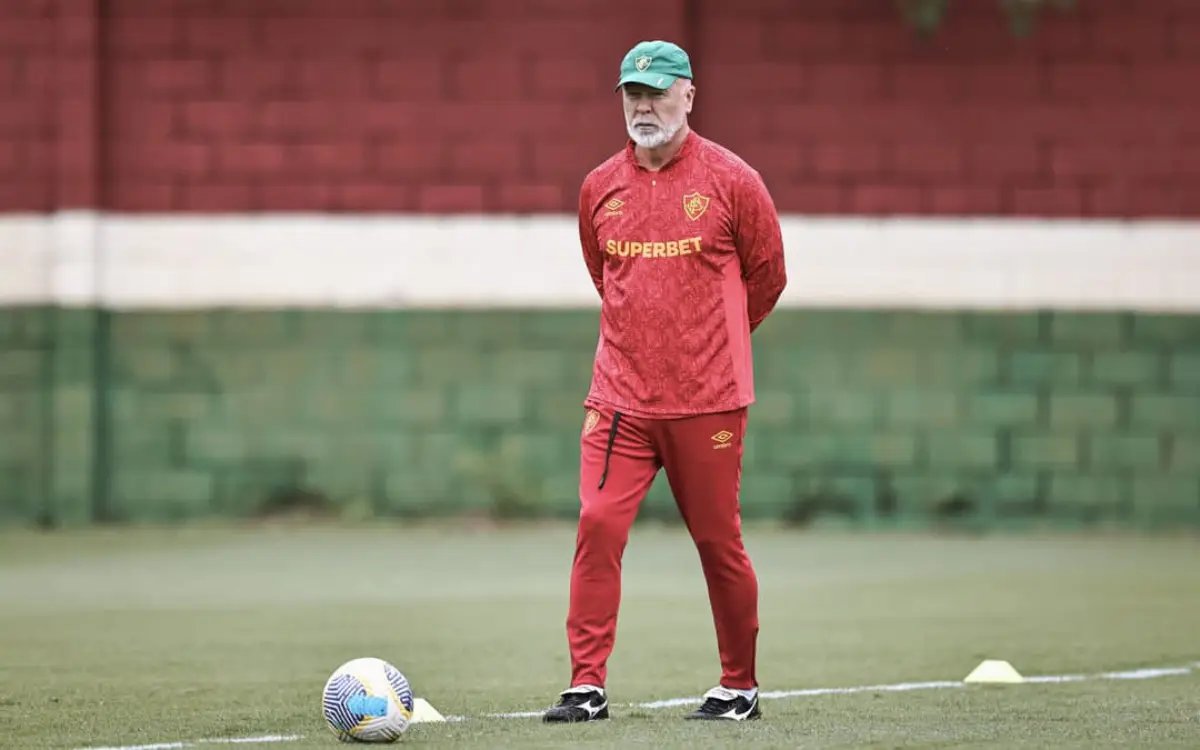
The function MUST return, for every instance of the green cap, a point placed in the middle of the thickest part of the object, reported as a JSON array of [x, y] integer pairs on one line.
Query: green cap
[[656, 64]]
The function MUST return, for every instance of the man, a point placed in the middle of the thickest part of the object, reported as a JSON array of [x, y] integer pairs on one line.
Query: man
[[683, 244]]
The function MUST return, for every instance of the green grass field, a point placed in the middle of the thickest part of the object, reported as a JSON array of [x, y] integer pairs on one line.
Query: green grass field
[[128, 637]]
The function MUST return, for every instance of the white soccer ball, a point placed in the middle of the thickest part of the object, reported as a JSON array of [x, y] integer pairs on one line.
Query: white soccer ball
[[367, 700]]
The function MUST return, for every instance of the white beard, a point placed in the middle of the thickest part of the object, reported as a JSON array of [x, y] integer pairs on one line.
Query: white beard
[[655, 138]]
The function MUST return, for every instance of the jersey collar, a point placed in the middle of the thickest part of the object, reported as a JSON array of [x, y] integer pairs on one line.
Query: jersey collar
[[688, 145]]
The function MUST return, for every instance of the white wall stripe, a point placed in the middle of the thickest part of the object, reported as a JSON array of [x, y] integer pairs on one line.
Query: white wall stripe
[[189, 261]]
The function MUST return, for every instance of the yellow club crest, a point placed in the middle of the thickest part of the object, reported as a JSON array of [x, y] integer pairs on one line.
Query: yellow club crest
[[590, 421], [643, 62], [694, 205]]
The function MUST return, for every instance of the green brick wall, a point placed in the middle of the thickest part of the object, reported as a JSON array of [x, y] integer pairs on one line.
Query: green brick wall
[[870, 416]]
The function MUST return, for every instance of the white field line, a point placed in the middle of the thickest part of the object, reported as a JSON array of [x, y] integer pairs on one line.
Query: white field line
[[214, 741], [1133, 674], [1150, 673]]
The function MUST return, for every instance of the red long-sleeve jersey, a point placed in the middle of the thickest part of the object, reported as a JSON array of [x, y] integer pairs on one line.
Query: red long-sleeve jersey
[[688, 261]]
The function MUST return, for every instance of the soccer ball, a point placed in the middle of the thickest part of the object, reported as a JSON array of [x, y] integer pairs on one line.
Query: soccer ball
[[367, 700]]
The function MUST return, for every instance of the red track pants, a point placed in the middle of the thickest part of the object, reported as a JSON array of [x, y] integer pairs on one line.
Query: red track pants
[[620, 457]]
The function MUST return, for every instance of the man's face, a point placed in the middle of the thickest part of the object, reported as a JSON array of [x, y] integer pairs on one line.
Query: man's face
[[654, 116]]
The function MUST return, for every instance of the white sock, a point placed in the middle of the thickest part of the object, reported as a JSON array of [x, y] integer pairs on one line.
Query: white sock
[[747, 694]]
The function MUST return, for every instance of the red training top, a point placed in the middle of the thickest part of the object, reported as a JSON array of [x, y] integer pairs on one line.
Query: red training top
[[688, 261]]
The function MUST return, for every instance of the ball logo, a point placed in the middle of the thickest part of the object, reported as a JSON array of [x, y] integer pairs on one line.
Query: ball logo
[[590, 421]]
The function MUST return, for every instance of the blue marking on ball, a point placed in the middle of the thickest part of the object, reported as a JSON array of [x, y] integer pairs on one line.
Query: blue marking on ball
[[367, 706]]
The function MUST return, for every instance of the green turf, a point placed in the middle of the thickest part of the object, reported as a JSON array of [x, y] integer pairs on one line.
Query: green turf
[[127, 637]]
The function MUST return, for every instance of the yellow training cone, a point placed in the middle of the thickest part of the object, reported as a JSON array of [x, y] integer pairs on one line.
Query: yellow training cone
[[994, 671], [423, 712]]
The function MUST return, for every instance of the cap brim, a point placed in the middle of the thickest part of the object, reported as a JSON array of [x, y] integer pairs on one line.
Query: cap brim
[[660, 81]]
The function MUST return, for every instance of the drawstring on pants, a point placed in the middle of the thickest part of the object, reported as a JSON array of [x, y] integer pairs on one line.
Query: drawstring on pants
[[612, 437]]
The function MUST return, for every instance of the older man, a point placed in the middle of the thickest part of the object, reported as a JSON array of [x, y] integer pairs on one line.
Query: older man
[[683, 244]]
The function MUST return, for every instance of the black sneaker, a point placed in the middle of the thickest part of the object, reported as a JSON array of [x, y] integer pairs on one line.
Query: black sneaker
[[726, 705], [582, 703]]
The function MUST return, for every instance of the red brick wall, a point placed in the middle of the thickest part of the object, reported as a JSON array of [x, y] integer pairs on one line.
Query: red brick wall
[[502, 105]]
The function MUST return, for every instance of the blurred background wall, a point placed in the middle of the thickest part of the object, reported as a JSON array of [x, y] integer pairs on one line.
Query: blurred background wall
[[261, 254]]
